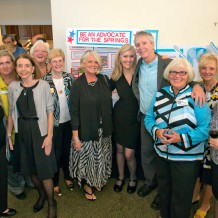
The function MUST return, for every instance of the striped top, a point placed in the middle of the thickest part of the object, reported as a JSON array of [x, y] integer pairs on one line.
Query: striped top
[[179, 112]]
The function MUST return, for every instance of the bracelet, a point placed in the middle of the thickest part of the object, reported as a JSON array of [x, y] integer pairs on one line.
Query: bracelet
[[76, 138], [9, 134]]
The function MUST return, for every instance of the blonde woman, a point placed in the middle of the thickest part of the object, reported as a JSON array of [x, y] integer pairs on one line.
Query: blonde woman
[[91, 109], [126, 126], [208, 68], [60, 84]]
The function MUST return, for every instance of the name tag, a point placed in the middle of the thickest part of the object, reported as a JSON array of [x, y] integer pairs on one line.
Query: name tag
[[182, 102], [3, 92]]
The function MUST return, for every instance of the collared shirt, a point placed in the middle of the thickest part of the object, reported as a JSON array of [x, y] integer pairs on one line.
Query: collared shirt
[[18, 51], [147, 84]]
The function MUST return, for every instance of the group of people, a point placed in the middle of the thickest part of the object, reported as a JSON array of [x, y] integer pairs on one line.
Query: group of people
[[60, 122]]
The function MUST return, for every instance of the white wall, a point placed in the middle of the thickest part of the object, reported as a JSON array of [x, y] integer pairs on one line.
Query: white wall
[[25, 12], [178, 22]]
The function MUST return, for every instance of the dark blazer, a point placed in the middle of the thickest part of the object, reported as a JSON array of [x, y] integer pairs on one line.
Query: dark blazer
[[161, 82], [83, 108]]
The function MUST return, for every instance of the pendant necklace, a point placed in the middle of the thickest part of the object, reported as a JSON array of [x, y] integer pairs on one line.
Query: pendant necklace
[[60, 88], [25, 90]]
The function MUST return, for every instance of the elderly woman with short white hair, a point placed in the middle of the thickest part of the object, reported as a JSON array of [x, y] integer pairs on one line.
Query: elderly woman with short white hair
[[179, 129], [39, 51]]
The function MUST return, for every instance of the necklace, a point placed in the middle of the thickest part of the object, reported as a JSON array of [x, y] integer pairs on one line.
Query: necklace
[[92, 83], [59, 84], [25, 90]]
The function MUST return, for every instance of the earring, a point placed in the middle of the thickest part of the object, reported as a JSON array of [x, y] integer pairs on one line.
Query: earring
[[18, 76], [33, 75]]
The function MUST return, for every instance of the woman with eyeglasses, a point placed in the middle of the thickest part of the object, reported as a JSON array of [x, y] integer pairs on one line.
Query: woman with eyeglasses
[[39, 51], [179, 129], [60, 84]]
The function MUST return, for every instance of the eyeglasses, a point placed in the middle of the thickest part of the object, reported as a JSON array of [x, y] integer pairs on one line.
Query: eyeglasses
[[39, 51], [181, 73], [59, 61]]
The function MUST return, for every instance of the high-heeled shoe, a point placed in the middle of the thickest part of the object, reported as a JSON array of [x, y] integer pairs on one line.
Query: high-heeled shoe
[[132, 189], [118, 188], [37, 207]]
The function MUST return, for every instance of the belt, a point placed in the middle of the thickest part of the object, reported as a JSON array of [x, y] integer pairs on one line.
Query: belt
[[29, 118]]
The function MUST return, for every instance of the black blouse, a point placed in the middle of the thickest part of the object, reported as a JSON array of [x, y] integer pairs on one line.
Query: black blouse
[[85, 107]]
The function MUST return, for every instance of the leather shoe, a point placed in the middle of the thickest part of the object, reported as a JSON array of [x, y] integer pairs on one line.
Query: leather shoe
[[132, 189], [118, 188], [145, 190], [10, 212], [155, 203], [37, 207]]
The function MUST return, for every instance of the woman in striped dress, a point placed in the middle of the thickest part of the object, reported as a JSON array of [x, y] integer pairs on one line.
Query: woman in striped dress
[[91, 118]]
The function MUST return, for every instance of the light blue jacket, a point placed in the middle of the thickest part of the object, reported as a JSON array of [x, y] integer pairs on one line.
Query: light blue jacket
[[192, 123]]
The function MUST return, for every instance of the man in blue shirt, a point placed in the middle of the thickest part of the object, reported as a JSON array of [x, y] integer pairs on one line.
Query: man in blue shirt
[[147, 80], [9, 39]]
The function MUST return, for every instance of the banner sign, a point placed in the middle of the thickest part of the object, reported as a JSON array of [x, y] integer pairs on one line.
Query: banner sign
[[103, 38]]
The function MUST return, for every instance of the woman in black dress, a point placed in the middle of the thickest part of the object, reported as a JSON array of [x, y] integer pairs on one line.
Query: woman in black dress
[[31, 113], [126, 126]]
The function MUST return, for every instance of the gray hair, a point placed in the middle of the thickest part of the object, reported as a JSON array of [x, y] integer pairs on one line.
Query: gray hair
[[180, 62], [38, 42], [144, 33]]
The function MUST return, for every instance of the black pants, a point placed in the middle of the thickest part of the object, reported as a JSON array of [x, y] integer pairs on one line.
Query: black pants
[[214, 172], [62, 136], [148, 155], [176, 181], [3, 179]]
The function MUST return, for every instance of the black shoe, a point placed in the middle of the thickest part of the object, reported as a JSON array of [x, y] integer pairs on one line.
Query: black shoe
[[155, 203], [37, 207], [11, 212], [21, 196], [132, 189], [145, 190], [118, 188]]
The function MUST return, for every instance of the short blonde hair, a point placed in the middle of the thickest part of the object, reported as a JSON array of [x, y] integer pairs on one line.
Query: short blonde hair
[[85, 56], [183, 63], [118, 69], [206, 59], [57, 52], [37, 43]]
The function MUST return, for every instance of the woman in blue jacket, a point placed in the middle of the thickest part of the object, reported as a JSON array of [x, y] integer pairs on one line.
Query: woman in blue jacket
[[179, 129]]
